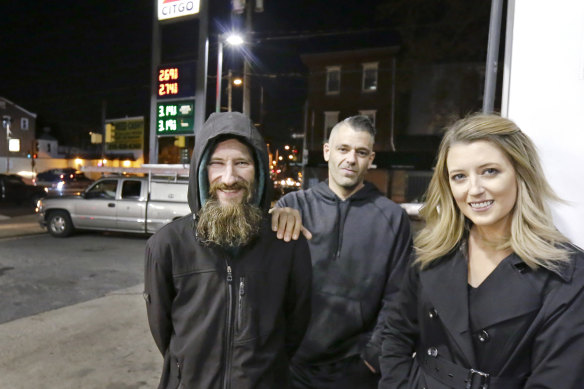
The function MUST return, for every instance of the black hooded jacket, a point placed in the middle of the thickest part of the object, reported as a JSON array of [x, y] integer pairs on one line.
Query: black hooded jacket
[[224, 320], [360, 250]]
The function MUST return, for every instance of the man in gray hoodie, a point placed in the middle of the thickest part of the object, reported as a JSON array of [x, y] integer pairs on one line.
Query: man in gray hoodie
[[360, 247], [228, 303]]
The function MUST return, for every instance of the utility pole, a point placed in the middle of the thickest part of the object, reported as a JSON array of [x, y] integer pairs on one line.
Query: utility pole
[[103, 110], [492, 56], [155, 61], [202, 62], [246, 66], [219, 73], [229, 90]]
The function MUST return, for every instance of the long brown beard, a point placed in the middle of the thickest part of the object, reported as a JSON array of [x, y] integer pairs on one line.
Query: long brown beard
[[229, 225]]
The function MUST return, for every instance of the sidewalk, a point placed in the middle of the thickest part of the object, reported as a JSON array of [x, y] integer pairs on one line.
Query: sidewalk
[[99, 344]]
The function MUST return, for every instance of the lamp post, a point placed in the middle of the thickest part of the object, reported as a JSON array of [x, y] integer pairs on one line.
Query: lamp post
[[232, 81], [232, 39]]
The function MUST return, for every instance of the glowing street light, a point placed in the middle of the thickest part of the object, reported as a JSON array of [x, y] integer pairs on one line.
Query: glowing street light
[[232, 39]]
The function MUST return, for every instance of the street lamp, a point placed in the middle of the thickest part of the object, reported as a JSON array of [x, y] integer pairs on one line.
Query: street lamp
[[232, 81], [232, 39]]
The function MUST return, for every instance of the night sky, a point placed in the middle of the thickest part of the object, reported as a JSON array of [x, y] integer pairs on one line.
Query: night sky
[[62, 59]]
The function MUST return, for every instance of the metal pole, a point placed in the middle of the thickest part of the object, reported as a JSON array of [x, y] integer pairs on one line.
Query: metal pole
[[229, 90], [219, 72], [246, 67], [153, 142], [492, 56], [202, 63], [103, 114], [392, 124], [507, 59]]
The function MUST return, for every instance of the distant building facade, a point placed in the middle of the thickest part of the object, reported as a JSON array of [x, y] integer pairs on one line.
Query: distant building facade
[[48, 145], [17, 134], [346, 83]]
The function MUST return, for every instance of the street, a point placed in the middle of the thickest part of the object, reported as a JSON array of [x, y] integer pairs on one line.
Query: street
[[72, 313], [39, 273]]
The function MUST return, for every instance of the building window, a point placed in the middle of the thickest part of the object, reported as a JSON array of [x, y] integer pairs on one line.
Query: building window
[[24, 124], [333, 80], [49, 148], [370, 113], [369, 83], [330, 119]]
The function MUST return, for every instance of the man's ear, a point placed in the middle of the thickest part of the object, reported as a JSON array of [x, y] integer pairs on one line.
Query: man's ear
[[326, 150], [371, 158]]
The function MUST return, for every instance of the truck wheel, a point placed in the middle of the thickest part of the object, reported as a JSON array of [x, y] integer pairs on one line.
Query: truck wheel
[[59, 224]]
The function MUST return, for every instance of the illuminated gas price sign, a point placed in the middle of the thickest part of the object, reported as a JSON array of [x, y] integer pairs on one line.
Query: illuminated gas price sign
[[176, 81], [175, 117]]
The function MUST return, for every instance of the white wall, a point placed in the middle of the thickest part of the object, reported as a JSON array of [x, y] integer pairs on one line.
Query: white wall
[[544, 95]]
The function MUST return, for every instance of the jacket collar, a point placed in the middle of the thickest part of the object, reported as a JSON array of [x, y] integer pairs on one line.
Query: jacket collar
[[446, 286]]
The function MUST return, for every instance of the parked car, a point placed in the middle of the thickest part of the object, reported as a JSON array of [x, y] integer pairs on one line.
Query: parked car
[[13, 189], [61, 182], [413, 207], [122, 203]]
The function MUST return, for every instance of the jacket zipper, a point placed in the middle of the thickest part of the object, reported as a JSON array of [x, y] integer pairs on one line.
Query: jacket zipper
[[240, 303], [229, 344]]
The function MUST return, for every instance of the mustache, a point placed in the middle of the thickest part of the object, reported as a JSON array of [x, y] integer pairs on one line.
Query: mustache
[[223, 186], [244, 185]]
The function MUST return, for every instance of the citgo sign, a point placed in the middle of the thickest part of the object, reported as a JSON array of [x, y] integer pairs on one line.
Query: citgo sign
[[170, 9]]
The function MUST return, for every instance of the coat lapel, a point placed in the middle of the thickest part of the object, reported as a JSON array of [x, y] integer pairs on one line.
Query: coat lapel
[[445, 286], [511, 290]]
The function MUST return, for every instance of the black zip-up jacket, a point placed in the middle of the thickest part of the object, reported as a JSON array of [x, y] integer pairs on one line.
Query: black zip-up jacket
[[360, 250], [226, 318]]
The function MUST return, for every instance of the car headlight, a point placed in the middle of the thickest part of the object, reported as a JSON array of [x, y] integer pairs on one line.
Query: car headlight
[[60, 185], [39, 206]]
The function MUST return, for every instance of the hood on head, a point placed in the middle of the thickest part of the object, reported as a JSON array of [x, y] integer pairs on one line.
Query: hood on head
[[222, 125]]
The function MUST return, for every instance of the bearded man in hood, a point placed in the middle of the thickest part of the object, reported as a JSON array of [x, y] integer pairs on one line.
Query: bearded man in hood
[[228, 303]]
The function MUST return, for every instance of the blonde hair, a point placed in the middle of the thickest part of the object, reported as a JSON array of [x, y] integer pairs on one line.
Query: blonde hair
[[533, 237]]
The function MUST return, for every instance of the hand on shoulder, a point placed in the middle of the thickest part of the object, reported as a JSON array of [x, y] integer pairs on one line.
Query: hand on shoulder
[[287, 223]]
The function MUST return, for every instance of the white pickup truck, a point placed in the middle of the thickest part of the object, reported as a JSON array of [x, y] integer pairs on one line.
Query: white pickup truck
[[117, 203]]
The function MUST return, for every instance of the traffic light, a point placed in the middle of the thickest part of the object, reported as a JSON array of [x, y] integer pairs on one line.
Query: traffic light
[[180, 141], [34, 156], [110, 133]]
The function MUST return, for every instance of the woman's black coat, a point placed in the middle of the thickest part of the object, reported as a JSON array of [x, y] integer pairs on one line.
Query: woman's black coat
[[530, 327]]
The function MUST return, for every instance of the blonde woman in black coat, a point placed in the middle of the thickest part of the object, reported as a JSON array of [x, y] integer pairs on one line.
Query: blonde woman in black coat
[[495, 298]]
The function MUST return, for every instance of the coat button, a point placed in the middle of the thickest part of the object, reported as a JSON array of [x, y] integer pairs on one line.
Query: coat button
[[432, 313], [432, 352], [483, 336]]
